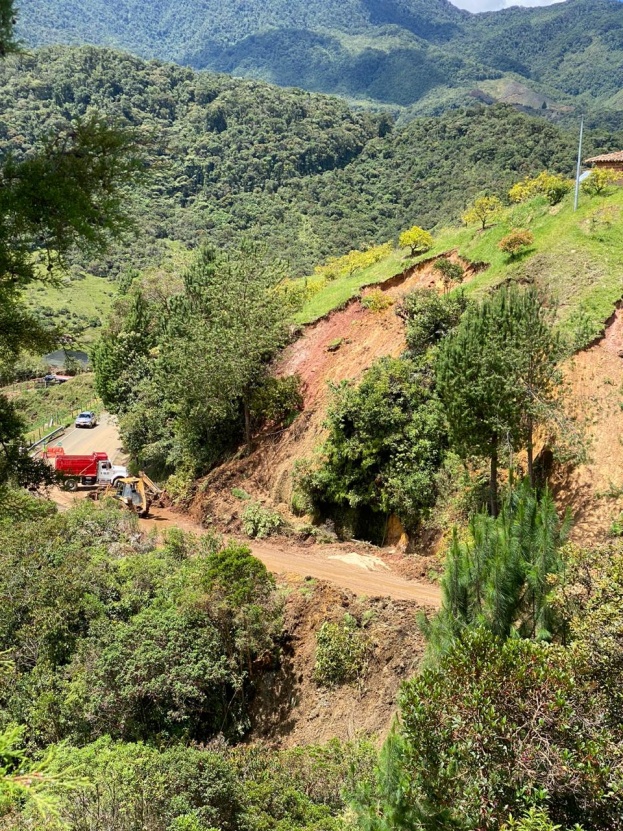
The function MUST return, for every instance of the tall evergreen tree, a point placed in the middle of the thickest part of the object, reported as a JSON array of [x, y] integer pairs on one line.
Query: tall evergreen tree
[[67, 195], [500, 576], [497, 375]]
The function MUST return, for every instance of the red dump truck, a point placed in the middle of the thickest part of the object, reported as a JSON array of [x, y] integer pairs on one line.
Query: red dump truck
[[93, 469]]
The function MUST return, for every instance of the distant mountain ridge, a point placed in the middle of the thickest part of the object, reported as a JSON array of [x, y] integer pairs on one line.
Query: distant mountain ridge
[[420, 55], [306, 173]]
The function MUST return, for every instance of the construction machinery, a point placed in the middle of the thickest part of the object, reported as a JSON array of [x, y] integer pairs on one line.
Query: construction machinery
[[135, 493]]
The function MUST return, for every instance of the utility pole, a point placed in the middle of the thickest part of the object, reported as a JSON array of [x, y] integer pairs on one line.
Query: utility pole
[[577, 174]]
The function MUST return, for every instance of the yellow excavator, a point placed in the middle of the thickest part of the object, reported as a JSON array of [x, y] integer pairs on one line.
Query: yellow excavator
[[135, 493]]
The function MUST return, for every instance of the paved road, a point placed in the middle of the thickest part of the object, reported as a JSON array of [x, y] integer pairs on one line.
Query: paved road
[[104, 437], [363, 574]]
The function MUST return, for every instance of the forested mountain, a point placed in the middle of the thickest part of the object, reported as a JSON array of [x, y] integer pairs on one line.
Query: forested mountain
[[423, 55], [300, 170]]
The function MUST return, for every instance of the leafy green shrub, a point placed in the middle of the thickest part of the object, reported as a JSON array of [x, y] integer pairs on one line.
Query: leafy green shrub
[[599, 181], [259, 522], [597, 620], [300, 502], [386, 442], [535, 819], [450, 272], [127, 786], [376, 301], [240, 493], [616, 527], [429, 317], [130, 639], [180, 544], [556, 188], [180, 485], [495, 728], [240, 576], [277, 401], [18, 505], [583, 329], [553, 186], [341, 652]]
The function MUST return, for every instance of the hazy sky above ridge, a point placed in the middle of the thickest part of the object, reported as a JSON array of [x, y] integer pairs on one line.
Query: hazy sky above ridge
[[492, 5]]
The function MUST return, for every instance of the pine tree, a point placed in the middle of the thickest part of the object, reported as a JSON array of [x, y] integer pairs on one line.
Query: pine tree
[[499, 577], [497, 376]]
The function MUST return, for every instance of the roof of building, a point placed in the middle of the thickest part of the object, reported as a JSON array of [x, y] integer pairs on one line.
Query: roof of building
[[608, 157]]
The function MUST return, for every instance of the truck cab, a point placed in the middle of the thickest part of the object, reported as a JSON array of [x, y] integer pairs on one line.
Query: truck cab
[[107, 473]]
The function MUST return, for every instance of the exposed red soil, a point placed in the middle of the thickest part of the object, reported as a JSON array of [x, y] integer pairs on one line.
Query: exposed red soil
[[341, 346], [594, 491]]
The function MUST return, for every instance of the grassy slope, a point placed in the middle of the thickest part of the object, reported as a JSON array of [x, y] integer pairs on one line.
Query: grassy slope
[[338, 292], [57, 405], [75, 306], [576, 257]]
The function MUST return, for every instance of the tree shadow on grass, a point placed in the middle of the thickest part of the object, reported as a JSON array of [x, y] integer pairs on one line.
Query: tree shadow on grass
[[513, 259]]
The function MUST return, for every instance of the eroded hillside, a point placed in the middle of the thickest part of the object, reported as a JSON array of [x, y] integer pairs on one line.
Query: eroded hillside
[[573, 259], [341, 346], [594, 491]]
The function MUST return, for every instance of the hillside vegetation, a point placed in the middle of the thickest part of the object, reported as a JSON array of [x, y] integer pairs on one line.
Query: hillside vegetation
[[574, 257], [421, 56], [303, 172], [157, 680]]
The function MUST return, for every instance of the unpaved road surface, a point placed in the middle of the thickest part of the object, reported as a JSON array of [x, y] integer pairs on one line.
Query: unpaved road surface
[[363, 573]]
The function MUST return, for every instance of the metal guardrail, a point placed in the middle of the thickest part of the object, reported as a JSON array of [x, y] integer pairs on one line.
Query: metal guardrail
[[54, 434]]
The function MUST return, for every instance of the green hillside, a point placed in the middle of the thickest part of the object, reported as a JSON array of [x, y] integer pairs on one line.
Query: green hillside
[[575, 259], [301, 171], [406, 53], [80, 305]]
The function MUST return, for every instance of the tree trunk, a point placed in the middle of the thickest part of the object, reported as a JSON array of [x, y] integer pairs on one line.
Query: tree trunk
[[493, 481], [530, 454], [247, 425]]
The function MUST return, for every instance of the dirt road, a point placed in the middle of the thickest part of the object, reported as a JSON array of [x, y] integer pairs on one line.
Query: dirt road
[[362, 573]]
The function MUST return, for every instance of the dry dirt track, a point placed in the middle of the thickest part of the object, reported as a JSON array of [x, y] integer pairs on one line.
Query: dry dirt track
[[362, 573]]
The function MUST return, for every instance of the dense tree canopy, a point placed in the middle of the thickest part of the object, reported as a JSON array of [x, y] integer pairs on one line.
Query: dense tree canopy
[[184, 366], [66, 194], [386, 442], [302, 172], [497, 374], [423, 54], [475, 752]]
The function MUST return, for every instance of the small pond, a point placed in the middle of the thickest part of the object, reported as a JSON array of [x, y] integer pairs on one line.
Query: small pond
[[58, 358]]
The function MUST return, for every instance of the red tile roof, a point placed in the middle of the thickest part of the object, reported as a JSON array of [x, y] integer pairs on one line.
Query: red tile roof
[[607, 157]]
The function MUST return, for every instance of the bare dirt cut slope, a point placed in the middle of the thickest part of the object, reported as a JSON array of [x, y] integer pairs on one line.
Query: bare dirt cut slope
[[594, 491], [291, 709]]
